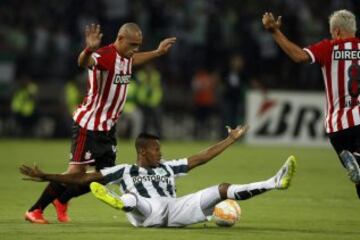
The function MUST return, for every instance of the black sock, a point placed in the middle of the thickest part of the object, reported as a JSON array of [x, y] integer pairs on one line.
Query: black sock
[[73, 191], [51, 192], [243, 195], [357, 186]]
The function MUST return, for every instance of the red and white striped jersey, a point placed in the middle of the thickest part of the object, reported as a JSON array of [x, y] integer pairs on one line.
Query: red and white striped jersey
[[106, 92], [339, 60]]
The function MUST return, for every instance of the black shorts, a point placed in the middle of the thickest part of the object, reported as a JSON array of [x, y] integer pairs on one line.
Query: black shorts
[[96, 148], [348, 139]]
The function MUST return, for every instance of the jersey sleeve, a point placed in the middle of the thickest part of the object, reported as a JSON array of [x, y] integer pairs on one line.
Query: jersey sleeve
[[319, 52], [104, 59], [113, 174], [179, 167]]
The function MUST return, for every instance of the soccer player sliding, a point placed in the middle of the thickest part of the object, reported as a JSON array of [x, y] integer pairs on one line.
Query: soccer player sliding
[[148, 187]]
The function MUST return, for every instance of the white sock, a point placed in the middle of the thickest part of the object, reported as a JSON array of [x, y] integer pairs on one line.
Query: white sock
[[245, 191]]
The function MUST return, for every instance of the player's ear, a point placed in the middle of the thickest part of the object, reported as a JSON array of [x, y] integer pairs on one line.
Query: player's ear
[[142, 151], [120, 37], [337, 32]]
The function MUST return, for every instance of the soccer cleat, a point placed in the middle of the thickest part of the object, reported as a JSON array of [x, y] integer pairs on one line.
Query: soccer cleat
[[61, 211], [284, 175], [36, 216], [107, 196], [351, 165]]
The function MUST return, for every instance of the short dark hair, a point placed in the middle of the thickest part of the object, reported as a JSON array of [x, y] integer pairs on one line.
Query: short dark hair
[[143, 139]]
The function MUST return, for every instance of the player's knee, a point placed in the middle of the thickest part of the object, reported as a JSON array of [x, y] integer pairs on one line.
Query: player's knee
[[223, 188], [129, 200], [357, 155]]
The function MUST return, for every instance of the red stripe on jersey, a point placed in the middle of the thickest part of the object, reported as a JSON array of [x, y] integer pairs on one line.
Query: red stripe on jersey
[[103, 99], [349, 113], [124, 93], [93, 94], [341, 89], [330, 96], [114, 101], [101, 82], [129, 66], [118, 112], [80, 145]]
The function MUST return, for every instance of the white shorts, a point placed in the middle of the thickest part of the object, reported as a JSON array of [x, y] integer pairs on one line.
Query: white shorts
[[169, 212]]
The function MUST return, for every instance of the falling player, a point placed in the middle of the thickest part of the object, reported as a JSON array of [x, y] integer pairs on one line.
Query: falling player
[[148, 187]]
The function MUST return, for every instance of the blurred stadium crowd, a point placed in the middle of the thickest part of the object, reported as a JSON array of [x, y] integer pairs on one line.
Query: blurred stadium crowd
[[40, 41]]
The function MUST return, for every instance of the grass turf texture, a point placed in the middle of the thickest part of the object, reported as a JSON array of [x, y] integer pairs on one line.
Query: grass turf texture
[[320, 204]]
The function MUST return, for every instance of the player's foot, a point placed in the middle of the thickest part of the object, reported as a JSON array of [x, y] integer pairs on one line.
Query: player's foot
[[107, 196], [284, 175], [351, 165], [61, 211], [36, 216]]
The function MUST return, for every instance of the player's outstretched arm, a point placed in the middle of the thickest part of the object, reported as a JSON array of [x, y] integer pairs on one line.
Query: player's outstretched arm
[[163, 48], [296, 53], [93, 38], [214, 150], [35, 174]]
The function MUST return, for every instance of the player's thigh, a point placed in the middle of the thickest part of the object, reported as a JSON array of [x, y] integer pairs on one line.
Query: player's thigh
[[104, 149], [193, 208], [81, 147], [150, 212], [348, 139], [72, 168]]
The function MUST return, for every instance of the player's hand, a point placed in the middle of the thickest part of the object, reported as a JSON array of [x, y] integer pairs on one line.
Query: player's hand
[[237, 132], [165, 45], [270, 23], [33, 173], [93, 36]]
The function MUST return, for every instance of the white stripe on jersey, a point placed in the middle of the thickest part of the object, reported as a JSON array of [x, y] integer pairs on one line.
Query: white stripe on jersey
[[356, 111], [347, 64], [122, 99], [111, 96], [102, 78], [335, 81], [90, 94], [88, 115], [327, 118]]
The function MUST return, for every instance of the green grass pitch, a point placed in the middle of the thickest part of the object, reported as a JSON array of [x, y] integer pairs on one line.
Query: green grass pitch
[[320, 204]]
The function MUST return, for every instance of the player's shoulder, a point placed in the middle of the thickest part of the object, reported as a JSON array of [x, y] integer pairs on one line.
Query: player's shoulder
[[117, 167], [322, 45], [325, 42], [106, 50], [180, 161], [345, 40]]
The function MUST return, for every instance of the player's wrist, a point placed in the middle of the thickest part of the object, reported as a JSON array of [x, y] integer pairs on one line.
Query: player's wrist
[[159, 52], [88, 51], [274, 30], [232, 138]]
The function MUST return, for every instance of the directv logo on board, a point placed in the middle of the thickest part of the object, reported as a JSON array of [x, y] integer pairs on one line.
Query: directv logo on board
[[346, 55]]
